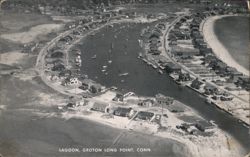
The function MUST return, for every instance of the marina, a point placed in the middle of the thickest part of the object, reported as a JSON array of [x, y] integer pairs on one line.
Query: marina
[[142, 76]]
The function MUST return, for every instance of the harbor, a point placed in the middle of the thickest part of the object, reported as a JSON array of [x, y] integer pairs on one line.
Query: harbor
[[121, 80]]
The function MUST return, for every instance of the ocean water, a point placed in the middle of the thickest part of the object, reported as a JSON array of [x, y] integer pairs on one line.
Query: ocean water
[[233, 33]]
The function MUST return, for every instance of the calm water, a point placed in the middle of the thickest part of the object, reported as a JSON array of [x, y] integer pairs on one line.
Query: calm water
[[233, 32], [142, 79]]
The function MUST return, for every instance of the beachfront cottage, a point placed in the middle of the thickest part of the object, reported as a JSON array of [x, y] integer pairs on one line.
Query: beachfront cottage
[[234, 76], [161, 26], [226, 98], [210, 90], [157, 118], [84, 86], [184, 77], [144, 115], [155, 34], [146, 103], [100, 107], [201, 44], [209, 59], [95, 88], [122, 111], [58, 67], [205, 51], [196, 84], [65, 73], [57, 54], [173, 68], [244, 82], [163, 100], [132, 113], [220, 68], [179, 51], [118, 97]]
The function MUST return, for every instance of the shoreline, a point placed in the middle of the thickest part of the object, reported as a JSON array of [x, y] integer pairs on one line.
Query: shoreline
[[93, 119], [218, 48], [194, 146]]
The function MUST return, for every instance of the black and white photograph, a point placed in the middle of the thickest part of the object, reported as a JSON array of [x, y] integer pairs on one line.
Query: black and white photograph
[[124, 78]]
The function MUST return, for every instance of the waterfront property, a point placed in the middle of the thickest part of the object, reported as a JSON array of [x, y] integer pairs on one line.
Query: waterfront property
[[100, 107]]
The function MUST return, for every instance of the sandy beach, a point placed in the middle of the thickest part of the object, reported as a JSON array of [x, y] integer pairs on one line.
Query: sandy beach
[[219, 49]]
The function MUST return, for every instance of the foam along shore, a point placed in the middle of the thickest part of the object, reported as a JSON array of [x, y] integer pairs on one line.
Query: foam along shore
[[218, 48]]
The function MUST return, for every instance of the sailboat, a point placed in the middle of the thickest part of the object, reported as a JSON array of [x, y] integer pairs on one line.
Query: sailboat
[[93, 57], [123, 74]]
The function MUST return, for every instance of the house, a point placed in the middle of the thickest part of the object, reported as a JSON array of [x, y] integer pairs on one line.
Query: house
[[58, 67], [65, 73], [132, 113], [205, 51], [184, 77], [210, 58], [220, 68], [122, 111], [199, 43], [161, 26], [118, 97], [57, 54], [71, 105], [173, 68], [95, 88], [84, 86], [163, 100], [179, 51], [54, 62], [234, 76], [100, 107], [226, 98], [244, 82], [157, 118], [196, 84], [144, 115], [210, 90], [146, 103]]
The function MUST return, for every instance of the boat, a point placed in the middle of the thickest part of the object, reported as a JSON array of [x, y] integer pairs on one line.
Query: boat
[[78, 52], [154, 66], [208, 100], [104, 67], [103, 70], [149, 63], [162, 68], [60, 107], [177, 81], [113, 88], [110, 61], [123, 74], [144, 60], [140, 55], [93, 57], [160, 71]]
